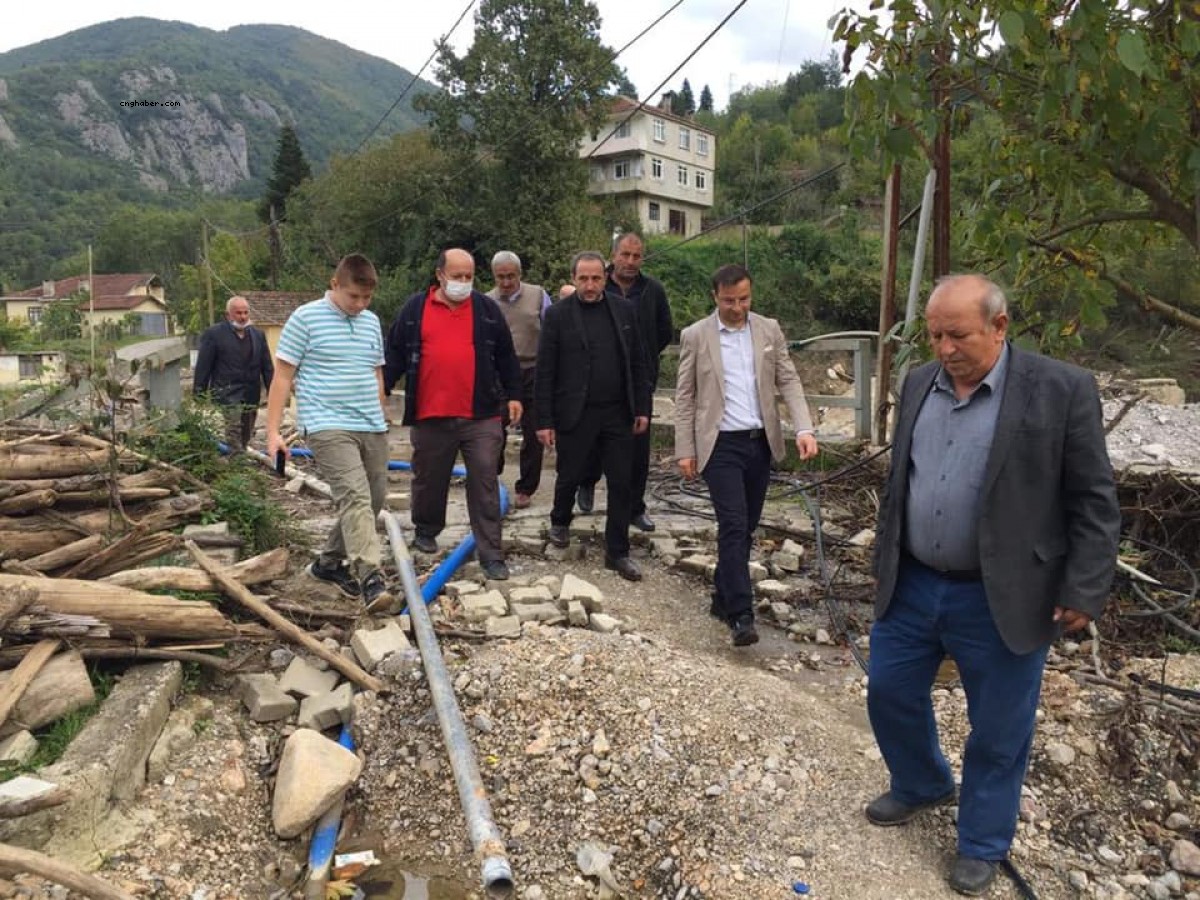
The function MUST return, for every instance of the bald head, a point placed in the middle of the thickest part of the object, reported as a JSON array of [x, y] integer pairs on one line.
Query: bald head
[[967, 319], [455, 275]]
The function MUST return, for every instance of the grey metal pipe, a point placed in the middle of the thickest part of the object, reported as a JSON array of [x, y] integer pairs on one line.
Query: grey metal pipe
[[918, 269], [485, 837]]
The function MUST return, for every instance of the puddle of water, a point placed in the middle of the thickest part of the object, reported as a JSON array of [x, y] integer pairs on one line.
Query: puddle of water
[[395, 880]]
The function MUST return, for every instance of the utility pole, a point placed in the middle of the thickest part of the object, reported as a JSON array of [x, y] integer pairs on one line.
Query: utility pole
[[941, 164], [276, 250], [212, 315], [92, 308], [887, 307]]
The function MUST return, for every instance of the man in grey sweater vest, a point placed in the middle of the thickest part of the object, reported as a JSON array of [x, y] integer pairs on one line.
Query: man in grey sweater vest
[[523, 306]]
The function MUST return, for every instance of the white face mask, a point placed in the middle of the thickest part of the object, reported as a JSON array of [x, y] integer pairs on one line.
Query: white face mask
[[458, 290], [241, 326]]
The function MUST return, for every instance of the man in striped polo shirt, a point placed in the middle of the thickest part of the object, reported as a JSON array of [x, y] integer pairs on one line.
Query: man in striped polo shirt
[[331, 350]]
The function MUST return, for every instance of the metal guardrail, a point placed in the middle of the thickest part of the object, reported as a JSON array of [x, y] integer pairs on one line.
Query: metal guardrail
[[862, 345]]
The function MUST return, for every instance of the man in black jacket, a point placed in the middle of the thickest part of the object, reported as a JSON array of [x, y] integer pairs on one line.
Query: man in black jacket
[[232, 365], [653, 317], [454, 351], [592, 395]]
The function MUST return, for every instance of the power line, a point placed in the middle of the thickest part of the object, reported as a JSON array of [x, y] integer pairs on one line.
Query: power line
[[642, 103], [749, 209], [408, 87]]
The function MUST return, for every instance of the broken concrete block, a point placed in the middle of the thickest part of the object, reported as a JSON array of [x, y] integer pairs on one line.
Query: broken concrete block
[[664, 546], [758, 572], [503, 626], [527, 544], [264, 698], [576, 614], [24, 789], [575, 588], [529, 596], [18, 748], [785, 562], [772, 589], [603, 623], [313, 772], [697, 564], [176, 737], [552, 583], [303, 679], [481, 607], [372, 646], [399, 500], [546, 611], [573, 552], [461, 588], [327, 710], [224, 555]]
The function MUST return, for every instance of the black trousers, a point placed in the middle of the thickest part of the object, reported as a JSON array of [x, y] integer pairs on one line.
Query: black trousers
[[638, 476], [737, 474], [604, 433], [530, 475]]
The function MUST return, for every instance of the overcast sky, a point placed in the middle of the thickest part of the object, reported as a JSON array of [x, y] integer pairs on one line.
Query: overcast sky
[[765, 41]]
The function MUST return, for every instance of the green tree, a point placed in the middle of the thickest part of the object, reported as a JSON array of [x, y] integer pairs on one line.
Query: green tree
[[625, 87], [534, 82], [290, 170], [13, 333], [706, 99], [62, 320], [1096, 149], [685, 101]]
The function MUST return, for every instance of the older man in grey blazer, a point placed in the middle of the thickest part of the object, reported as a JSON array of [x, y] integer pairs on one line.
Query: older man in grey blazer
[[998, 530], [727, 429]]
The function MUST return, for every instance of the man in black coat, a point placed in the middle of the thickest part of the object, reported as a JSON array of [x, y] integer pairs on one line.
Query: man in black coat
[[232, 366], [592, 395], [652, 314]]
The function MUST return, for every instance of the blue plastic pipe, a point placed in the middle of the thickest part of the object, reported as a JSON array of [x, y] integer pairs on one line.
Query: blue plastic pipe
[[324, 842]]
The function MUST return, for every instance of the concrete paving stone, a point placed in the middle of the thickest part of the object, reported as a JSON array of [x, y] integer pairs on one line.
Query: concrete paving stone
[[758, 572], [575, 588], [698, 564], [603, 623], [371, 647], [503, 626], [327, 710], [772, 589], [573, 552], [785, 561], [576, 614], [481, 607], [399, 501], [459, 588], [528, 545], [263, 697], [303, 679], [18, 748], [547, 611], [529, 596], [664, 546]]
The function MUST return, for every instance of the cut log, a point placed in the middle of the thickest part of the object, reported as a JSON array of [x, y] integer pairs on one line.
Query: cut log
[[63, 461], [135, 547], [181, 477], [24, 544], [66, 555], [292, 632], [15, 808], [14, 686], [27, 502], [103, 495], [127, 612], [13, 602], [14, 860], [61, 687], [265, 567]]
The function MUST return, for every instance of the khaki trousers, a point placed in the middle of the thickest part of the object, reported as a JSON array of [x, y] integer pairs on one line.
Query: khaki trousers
[[354, 465]]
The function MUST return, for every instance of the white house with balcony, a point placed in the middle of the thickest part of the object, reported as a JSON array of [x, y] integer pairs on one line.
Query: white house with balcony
[[659, 163]]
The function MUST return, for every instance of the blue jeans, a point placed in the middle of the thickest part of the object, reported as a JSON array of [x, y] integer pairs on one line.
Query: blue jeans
[[929, 617]]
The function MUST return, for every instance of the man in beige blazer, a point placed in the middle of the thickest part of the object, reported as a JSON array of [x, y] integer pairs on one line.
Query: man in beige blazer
[[732, 365]]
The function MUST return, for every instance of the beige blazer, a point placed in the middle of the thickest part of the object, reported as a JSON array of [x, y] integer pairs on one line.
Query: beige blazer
[[700, 387]]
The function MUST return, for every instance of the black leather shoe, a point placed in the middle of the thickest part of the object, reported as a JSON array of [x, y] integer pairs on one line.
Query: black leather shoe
[[623, 566], [425, 544], [972, 876], [495, 569], [743, 631], [642, 521], [886, 810], [559, 535], [585, 497]]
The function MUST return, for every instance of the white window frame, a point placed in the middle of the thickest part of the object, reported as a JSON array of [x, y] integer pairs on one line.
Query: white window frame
[[701, 144], [622, 170], [701, 180], [597, 172], [622, 130], [681, 176], [656, 168], [685, 138], [660, 131], [654, 212]]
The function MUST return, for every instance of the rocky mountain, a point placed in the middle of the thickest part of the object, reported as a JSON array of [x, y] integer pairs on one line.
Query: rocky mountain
[[171, 106]]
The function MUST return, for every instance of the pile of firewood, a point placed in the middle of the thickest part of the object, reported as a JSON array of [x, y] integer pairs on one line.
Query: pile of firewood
[[78, 515]]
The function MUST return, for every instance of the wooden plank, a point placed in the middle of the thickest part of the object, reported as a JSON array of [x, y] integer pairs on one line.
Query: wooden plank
[[23, 675]]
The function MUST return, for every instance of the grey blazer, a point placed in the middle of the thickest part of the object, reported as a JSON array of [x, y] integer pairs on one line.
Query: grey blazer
[[1049, 521]]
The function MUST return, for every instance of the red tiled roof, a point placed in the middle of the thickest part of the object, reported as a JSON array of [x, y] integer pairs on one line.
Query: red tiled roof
[[623, 106], [274, 307], [105, 286]]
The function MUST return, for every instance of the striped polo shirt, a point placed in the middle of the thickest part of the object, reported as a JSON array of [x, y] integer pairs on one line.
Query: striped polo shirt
[[336, 358]]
